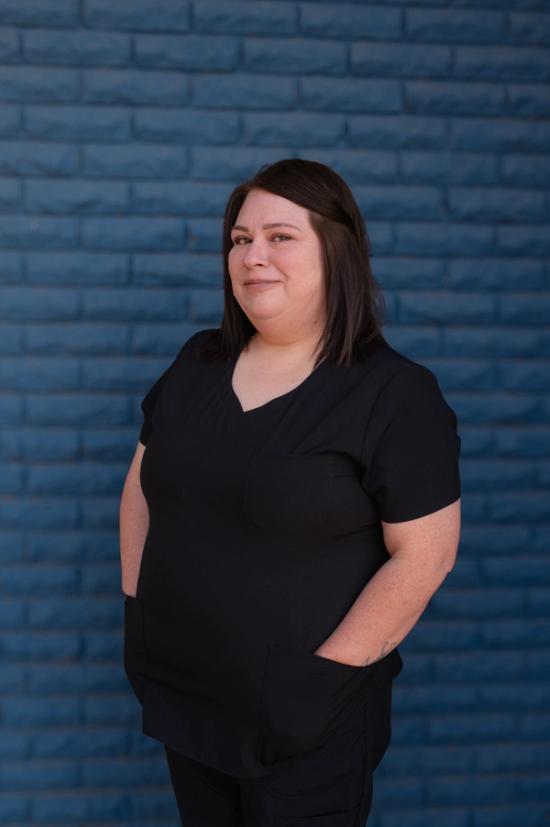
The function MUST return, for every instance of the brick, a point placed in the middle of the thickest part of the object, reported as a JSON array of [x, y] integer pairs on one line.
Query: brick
[[33, 158], [94, 545], [135, 161], [131, 86], [452, 97], [245, 18], [425, 273], [495, 274], [173, 125], [39, 711], [23, 230], [82, 479], [83, 197], [37, 579], [82, 47], [351, 95], [138, 15], [395, 202], [78, 744], [52, 775], [10, 407], [101, 646], [102, 578], [293, 56], [13, 678], [219, 91], [525, 375], [293, 129], [39, 12], [13, 613], [9, 44], [529, 101], [13, 810], [188, 52], [351, 21], [156, 269], [39, 373], [526, 170], [107, 773], [43, 514], [10, 267], [524, 307], [82, 806], [77, 337], [396, 131], [109, 123], [455, 25], [527, 240], [483, 134], [75, 267], [502, 63], [110, 709], [178, 198], [528, 27], [30, 83], [518, 634], [445, 239], [134, 305], [9, 194], [9, 120], [469, 728], [78, 409], [403, 59], [43, 304], [496, 204]]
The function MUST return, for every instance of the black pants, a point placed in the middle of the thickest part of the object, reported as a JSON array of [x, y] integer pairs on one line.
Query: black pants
[[326, 787]]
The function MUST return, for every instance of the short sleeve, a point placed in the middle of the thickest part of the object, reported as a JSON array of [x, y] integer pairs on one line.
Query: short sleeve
[[411, 448], [148, 404], [149, 400]]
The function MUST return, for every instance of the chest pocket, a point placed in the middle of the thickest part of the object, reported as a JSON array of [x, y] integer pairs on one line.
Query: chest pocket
[[289, 495]]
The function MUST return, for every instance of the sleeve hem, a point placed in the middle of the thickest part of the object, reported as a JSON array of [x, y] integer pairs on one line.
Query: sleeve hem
[[404, 517]]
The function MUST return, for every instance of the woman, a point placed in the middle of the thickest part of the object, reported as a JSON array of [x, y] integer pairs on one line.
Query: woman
[[296, 506]]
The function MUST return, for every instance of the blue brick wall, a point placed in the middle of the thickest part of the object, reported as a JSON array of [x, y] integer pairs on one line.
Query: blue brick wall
[[124, 124]]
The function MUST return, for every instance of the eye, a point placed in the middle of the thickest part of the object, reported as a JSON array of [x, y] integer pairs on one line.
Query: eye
[[243, 237]]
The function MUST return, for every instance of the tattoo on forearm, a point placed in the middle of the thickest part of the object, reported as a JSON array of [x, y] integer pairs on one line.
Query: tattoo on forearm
[[386, 648]]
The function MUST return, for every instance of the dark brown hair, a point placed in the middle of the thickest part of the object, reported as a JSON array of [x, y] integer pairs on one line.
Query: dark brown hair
[[354, 300]]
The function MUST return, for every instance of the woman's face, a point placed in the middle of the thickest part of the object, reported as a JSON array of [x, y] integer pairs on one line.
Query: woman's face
[[277, 271]]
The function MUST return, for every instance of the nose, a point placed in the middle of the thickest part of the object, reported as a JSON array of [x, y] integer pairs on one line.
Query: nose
[[255, 254]]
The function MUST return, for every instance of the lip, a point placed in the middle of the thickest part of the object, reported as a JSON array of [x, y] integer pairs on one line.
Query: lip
[[260, 284]]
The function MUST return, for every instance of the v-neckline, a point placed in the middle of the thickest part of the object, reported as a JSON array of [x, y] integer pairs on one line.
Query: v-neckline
[[275, 399]]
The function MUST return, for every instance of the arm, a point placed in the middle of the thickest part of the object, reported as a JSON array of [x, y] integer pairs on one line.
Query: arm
[[423, 552], [133, 525]]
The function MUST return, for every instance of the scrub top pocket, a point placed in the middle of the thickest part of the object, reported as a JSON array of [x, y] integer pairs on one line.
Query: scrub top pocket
[[304, 698], [289, 494]]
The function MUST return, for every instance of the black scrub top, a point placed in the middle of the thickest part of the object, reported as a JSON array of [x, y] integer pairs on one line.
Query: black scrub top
[[264, 528]]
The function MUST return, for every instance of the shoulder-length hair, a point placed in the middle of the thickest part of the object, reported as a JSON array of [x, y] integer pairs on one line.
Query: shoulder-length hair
[[354, 300]]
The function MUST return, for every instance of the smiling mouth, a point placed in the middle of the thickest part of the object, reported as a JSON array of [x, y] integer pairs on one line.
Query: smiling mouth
[[261, 281]]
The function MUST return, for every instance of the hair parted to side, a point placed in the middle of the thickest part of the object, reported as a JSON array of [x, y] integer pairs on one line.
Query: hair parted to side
[[354, 300]]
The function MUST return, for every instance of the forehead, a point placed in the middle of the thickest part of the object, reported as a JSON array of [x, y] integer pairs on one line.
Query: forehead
[[260, 208]]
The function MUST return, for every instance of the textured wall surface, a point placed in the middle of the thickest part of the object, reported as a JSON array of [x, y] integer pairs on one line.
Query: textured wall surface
[[124, 124]]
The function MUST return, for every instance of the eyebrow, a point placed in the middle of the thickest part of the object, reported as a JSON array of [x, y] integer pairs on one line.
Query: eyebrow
[[266, 226]]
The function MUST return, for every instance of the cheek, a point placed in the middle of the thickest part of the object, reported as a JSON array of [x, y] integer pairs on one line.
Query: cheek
[[233, 260]]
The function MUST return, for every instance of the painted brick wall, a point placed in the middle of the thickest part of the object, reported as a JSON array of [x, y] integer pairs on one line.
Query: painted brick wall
[[123, 126]]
